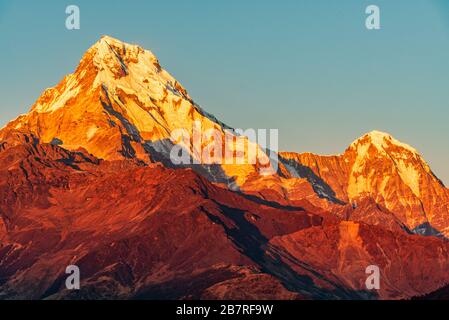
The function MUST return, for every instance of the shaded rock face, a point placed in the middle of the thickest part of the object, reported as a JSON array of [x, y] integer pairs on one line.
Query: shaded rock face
[[440, 294]]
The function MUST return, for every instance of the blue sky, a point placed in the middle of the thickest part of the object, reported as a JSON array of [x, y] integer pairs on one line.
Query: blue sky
[[307, 67]]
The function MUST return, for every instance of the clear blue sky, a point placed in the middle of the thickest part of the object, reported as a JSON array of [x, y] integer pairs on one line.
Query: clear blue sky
[[307, 67]]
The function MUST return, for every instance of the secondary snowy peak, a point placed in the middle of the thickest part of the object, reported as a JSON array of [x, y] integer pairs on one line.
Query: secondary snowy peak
[[400, 157], [391, 173], [382, 141]]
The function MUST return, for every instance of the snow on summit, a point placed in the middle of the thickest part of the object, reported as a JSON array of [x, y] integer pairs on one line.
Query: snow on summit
[[382, 140], [132, 69], [120, 103]]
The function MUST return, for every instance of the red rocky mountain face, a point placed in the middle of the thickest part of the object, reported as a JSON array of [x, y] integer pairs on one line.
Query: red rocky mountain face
[[134, 231], [140, 231], [86, 180]]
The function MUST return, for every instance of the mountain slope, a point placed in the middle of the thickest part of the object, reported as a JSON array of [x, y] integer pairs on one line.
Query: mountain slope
[[120, 103], [343, 251], [130, 228], [150, 232]]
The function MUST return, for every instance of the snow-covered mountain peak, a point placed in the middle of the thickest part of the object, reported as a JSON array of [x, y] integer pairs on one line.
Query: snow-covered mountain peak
[[378, 158], [383, 142], [117, 66], [115, 59], [107, 45]]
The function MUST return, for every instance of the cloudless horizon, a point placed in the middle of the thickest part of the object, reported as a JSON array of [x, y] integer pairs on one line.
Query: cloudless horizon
[[309, 68]]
